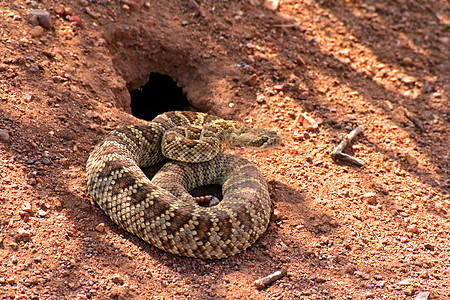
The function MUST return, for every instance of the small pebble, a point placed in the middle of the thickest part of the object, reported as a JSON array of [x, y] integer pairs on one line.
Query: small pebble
[[92, 13], [33, 68], [4, 136], [100, 227], [320, 279], [260, 98], [40, 17], [32, 181], [370, 198], [26, 206], [59, 10], [213, 202], [276, 215], [278, 87], [422, 296], [413, 228], [271, 4], [37, 31], [46, 161], [92, 114], [439, 207], [404, 282], [133, 4], [429, 246], [42, 213], [437, 95], [68, 11], [409, 291], [28, 97], [407, 61], [378, 277], [22, 235], [117, 279], [252, 80], [13, 245], [411, 160], [75, 19], [304, 95]]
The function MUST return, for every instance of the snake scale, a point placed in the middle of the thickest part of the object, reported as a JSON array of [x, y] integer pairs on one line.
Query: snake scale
[[161, 211]]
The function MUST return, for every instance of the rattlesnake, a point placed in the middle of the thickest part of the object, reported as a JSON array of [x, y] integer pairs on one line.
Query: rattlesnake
[[161, 211]]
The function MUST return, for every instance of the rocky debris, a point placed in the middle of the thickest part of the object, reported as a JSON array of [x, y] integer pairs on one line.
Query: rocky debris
[[40, 17]]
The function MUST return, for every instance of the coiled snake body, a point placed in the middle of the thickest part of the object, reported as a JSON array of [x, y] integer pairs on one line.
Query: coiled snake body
[[161, 211]]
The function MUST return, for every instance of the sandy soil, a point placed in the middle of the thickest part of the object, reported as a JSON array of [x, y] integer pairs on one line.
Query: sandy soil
[[342, 232]]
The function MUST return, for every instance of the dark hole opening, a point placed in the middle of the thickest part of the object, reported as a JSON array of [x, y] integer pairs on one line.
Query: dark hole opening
[[214, 190], [158, 95]]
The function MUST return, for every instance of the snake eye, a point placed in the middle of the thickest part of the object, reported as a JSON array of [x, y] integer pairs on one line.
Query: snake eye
[[264, 139]]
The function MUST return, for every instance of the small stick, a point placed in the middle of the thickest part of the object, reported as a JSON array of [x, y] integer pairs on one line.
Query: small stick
[[338, 151], [265, 281], [412, 118], [285, 25]]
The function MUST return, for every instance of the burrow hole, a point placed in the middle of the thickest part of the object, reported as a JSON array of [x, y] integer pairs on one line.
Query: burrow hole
[[160, 94]]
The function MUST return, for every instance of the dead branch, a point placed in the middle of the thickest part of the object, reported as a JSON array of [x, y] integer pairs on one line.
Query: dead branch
[[338, 152]]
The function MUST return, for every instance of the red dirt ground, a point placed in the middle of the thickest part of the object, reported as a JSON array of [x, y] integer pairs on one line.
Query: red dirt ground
[[343, 232]]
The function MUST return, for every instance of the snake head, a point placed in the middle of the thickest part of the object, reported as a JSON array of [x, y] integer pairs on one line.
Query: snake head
[[257, 138]]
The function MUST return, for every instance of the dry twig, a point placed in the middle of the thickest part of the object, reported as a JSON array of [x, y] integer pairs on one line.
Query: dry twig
[[265, 281], [338, 152], [412, 118]]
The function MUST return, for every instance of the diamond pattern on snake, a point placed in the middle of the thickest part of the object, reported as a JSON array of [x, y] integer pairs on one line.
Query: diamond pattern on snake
[[161, 211]]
